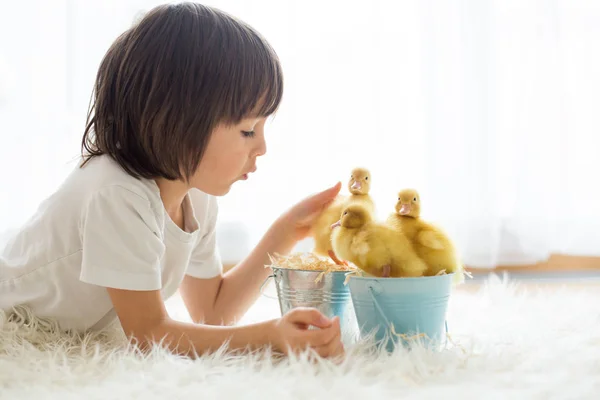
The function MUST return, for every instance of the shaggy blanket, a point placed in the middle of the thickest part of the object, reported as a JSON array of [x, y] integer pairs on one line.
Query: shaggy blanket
[[510, 342]]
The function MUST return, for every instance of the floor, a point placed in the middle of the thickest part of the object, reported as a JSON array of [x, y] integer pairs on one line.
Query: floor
[[541, 279]]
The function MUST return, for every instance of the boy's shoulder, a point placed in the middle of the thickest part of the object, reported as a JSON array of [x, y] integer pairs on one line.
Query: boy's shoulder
[[103, 173]]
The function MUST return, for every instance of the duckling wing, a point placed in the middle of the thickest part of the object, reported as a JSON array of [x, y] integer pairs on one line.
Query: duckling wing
[[430, 239], [360, 244]]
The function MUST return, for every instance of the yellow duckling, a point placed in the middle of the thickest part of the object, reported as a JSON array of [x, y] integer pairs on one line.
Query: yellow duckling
[[373, 247], [359, 186], [431, 244]]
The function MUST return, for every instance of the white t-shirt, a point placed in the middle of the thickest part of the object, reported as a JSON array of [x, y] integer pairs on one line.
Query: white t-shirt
[[104, 228]]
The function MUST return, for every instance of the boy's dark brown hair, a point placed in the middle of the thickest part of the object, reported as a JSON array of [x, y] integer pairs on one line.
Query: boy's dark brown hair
[[165, 84]]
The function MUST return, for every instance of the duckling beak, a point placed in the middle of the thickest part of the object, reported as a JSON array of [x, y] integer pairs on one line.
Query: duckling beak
[[356, 185], [339, 223], [405, 209]]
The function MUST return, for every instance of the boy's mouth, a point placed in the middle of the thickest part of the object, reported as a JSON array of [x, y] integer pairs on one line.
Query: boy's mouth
[[245, 176]]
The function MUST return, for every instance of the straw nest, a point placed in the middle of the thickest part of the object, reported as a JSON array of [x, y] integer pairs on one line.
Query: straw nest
[[309, 262], [306, 262]]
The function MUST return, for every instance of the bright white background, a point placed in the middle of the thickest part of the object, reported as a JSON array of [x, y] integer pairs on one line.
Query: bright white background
[[489, 108]]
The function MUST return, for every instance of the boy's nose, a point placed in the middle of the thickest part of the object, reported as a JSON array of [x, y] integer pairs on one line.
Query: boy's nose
[[261, 149]]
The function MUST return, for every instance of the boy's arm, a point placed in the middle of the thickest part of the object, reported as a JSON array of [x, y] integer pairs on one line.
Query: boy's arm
[[144, 318], [225, 299]]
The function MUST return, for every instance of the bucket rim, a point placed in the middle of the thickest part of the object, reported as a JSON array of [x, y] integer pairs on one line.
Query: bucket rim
[[376, 278], [307, 270]]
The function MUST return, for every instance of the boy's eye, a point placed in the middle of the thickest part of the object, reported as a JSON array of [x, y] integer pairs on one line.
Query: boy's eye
[[248, 134]]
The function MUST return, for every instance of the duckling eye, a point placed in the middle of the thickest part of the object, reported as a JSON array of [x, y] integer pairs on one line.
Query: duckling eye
[[345, 212], [415, 199], [366, 178], [398, 198]]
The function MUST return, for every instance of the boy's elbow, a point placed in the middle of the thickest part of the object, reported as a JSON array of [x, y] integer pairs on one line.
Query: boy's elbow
[[146, 336], [216, 321], [213, 317]]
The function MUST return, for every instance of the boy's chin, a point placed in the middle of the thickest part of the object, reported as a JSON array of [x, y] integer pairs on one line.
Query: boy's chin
[[215, 191], [219, 192]]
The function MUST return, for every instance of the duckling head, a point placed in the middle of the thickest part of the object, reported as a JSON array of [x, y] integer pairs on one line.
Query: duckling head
[[353, 217], [360, 181], [409, 203]]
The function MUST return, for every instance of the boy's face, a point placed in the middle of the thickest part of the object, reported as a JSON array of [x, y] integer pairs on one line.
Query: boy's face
[[230, 156]]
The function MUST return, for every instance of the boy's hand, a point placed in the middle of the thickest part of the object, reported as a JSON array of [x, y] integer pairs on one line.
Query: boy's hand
[[296, 223], [292, 333]]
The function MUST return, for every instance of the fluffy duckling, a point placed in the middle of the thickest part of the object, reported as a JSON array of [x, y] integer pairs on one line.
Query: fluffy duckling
[[430, 242], [359, 186], [374, 248]]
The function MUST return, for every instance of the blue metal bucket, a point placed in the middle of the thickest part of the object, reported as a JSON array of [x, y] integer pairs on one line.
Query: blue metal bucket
[[402, 310]]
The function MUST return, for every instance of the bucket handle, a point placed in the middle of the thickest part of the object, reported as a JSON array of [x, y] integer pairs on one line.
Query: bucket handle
[[372, 292], [387, 321], [262, 287]]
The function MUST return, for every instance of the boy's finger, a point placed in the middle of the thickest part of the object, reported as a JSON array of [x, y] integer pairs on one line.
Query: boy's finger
[[309, 316], [322, 337], [326, 196], [331, 349]]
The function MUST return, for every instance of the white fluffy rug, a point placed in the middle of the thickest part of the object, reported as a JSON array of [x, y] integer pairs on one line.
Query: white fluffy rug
[[514, 343]]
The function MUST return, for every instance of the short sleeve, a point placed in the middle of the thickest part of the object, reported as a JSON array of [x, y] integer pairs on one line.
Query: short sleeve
[[122, 248], [205, 261]]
